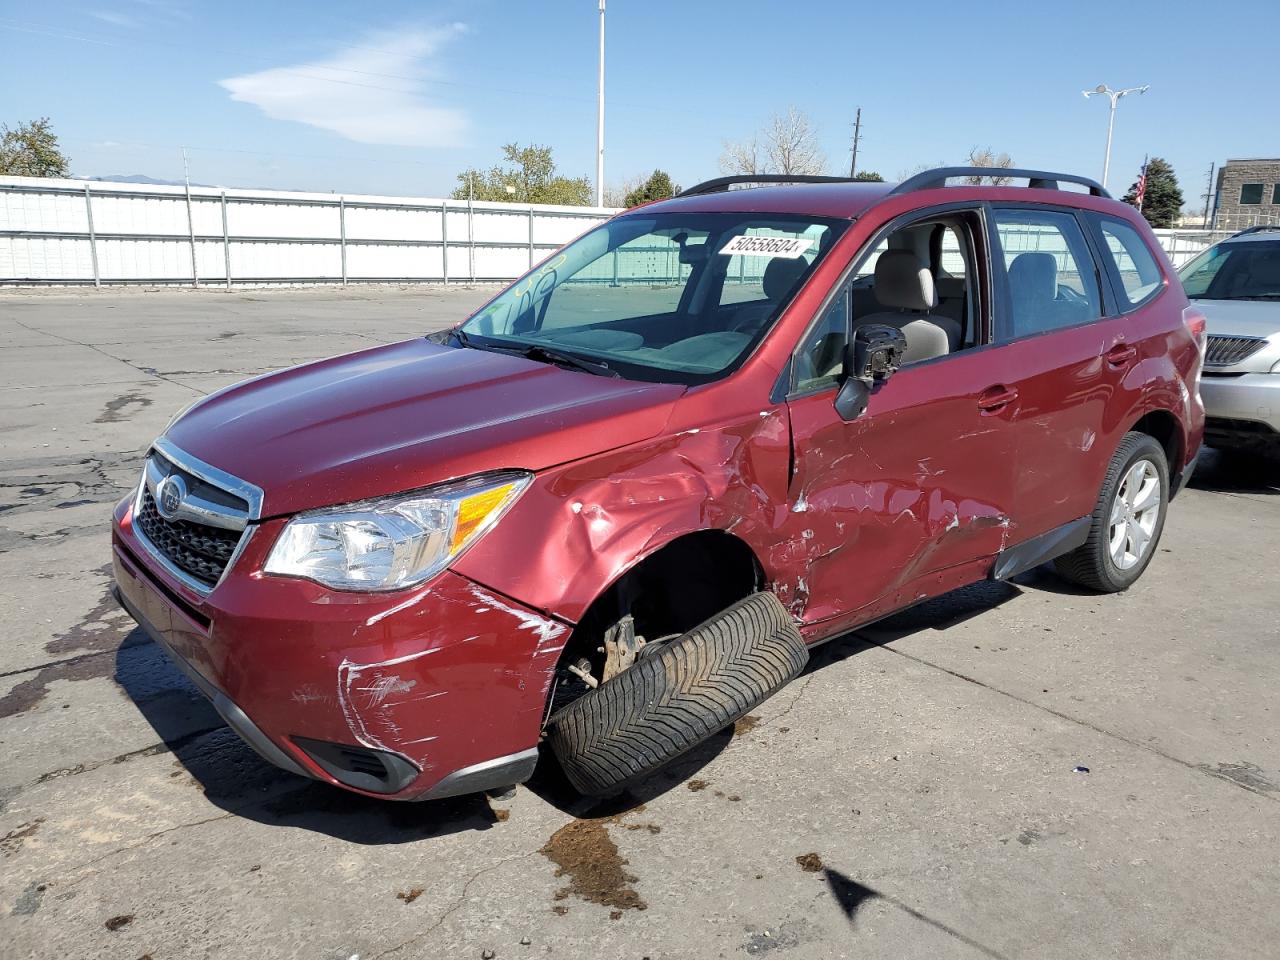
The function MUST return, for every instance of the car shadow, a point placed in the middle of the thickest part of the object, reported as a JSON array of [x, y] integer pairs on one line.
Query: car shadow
[[939, 613], [550, 784], [1236, 471], [234, 778]]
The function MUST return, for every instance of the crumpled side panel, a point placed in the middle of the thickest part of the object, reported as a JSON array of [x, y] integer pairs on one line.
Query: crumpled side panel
[[580, 527]]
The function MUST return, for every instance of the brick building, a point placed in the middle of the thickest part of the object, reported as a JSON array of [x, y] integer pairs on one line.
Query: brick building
[[1247, 194]]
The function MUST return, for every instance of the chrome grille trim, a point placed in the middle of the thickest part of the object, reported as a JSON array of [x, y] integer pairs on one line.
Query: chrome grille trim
[[1225, 351], [202, 511]]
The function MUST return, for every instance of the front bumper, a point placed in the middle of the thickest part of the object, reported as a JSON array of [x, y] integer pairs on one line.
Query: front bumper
[[443, 686], [1243, 399]]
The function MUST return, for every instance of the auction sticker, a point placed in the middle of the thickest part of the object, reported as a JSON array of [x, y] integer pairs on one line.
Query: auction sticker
[[745, 246]]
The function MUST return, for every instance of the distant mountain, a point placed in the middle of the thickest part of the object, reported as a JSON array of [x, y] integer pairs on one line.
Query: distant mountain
[[143, 178]]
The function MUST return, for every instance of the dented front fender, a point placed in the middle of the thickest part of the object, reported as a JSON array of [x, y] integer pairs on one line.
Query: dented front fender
[[581, 526]]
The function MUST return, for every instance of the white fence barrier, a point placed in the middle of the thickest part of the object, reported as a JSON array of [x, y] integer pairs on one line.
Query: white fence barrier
[[82, 232]]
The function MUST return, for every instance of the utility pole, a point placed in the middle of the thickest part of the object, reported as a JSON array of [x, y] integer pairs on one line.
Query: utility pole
[[600, 120], [857, 135], [1208, 196], [1115, 96]]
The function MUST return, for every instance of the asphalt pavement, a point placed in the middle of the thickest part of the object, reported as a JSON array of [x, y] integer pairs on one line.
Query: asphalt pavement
[[1013, 770]]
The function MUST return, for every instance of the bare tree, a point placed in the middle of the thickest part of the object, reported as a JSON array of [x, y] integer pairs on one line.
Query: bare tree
[[788, 144], [791, 144], [742, 156], [615, 195], [910, 172], [986, 157]]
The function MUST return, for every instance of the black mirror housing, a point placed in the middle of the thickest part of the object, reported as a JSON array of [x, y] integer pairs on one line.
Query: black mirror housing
[[874, 356]]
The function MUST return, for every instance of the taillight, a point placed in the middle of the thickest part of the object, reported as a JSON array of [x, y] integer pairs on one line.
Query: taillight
[[1196, 325]]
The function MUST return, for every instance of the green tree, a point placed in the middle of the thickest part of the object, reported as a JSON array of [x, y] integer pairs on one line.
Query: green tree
[[869, 175], [31, 150], [529, 177], [657, 187], [1163, 200]]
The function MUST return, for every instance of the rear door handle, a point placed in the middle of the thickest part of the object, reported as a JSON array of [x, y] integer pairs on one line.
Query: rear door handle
[[1120, 354], [996, 398]]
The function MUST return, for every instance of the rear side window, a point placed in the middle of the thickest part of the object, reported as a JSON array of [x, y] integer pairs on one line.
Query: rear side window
[[1132, 262], [1052, 280]]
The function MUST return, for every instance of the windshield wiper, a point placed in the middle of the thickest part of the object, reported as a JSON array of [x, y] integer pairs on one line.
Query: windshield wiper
[[539, 352]]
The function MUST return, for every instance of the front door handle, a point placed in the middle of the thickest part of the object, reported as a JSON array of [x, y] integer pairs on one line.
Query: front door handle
[[996, 398], [1120, 354]]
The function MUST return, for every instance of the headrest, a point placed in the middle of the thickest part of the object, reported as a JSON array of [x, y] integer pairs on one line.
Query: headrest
[[781, 275], [903, 282], [1034, 276]]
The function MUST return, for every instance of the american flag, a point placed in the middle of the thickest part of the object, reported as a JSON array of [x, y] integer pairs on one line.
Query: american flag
[[1141, 190]]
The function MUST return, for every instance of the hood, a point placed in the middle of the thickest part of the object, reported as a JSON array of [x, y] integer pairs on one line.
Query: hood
[[410, 414], [1240, 318]]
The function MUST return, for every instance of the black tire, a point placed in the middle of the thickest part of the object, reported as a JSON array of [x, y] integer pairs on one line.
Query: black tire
[[1091, 565], [668, 703]]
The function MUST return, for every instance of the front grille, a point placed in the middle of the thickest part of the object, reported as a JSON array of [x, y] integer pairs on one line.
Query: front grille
[[200, 551], [1225, 351]]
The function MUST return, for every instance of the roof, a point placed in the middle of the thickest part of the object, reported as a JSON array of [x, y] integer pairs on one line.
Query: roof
[[1253, 234], [844, 200]]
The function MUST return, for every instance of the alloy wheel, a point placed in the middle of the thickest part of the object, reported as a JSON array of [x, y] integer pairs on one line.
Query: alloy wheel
[[1134, 514]]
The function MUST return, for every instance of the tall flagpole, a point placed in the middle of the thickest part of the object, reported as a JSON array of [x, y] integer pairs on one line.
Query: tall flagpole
[[600, 120]]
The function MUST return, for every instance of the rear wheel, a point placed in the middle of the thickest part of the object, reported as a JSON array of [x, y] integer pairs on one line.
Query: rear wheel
[[1127, 519], [667, 702]]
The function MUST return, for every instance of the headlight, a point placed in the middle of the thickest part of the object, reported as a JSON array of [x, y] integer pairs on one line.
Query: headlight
[[394, 543]]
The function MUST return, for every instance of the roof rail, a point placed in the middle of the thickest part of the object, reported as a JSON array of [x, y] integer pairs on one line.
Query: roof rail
[[1036, 179], [1260, 228], [720, 184]]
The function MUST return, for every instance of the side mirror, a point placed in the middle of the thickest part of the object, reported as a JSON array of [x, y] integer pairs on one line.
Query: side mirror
[[875, 355]]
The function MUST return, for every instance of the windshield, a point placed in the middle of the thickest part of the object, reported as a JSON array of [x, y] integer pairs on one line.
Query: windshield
[[1247, 270], [679, 298]]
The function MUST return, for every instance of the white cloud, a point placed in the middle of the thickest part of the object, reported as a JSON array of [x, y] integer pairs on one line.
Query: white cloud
[[372, 93], [113, 18]]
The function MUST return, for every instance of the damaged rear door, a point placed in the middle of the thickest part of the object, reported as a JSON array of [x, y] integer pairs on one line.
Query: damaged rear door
[[911, 498]]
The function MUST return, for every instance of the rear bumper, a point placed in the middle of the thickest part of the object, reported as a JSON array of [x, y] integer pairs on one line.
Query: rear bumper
[[414, 696], [1231, 404]]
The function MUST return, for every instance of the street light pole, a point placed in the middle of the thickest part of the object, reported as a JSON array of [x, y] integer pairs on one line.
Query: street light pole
[[600, 120], [1114, 96]]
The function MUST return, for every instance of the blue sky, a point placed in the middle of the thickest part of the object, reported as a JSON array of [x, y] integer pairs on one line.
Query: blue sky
[[396, 97]]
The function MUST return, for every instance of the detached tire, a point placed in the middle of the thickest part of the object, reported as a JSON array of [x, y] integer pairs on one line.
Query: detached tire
[[666, 704], [1127, 520]]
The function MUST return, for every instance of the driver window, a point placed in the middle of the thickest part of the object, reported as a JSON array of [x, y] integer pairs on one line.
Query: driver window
[[919, 279], [1052, 283]]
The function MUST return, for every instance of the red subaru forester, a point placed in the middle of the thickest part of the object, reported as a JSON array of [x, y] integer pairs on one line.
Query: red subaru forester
[[616, 506]]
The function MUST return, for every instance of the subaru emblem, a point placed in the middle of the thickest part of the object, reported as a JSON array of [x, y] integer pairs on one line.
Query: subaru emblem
[[170, 494]]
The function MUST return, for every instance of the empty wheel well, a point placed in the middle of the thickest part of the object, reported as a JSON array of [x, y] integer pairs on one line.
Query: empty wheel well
[[1163, 426], [670, 592]]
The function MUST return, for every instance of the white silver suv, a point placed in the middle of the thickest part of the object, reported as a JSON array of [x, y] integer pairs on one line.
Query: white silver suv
[[1236, 284]]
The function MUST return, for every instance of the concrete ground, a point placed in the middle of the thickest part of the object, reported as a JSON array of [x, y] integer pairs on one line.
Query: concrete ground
[[914, 795]]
